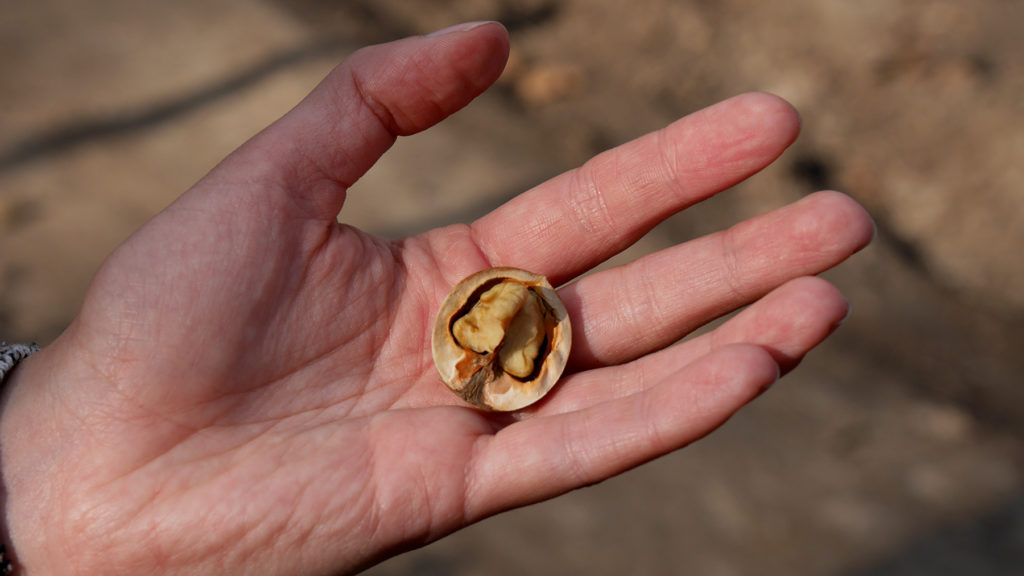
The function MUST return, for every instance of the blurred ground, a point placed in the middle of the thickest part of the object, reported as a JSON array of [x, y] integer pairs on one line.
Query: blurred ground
[[896, 449]]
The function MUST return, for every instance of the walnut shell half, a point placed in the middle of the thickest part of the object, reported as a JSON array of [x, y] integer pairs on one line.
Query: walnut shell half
[[501, 339]]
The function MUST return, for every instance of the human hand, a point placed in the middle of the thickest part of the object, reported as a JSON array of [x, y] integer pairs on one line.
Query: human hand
[[249, 388]]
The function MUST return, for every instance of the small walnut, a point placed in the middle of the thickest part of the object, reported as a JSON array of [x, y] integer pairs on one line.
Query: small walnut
[[501, 339]]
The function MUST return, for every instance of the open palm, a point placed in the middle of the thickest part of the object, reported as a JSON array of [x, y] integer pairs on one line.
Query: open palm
[[249, 385]]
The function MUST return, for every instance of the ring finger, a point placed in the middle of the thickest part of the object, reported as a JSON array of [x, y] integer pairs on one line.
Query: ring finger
[[788, 323]]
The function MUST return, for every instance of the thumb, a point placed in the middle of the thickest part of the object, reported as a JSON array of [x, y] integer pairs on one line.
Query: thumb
[[327, 142]]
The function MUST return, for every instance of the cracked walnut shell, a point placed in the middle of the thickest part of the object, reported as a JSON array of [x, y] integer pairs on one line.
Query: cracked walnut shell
[[501, 339]]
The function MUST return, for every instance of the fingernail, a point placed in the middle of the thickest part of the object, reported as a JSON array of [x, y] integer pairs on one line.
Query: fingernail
[[464, 27]]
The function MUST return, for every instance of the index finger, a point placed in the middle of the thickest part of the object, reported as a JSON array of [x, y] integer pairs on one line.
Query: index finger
[[575, 221]]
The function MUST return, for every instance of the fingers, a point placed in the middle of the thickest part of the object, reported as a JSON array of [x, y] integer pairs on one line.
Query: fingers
[[625, 312], [575, 221], [542, 457], [787, 323], [605, 421], [337, 132]]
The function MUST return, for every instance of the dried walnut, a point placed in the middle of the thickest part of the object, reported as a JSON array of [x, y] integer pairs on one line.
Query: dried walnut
[[501, 339]]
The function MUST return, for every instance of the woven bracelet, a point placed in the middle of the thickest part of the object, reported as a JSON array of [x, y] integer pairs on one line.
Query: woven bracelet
[[10, 355]]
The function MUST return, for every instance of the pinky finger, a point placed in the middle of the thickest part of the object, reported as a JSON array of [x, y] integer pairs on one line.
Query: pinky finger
[[539, 458]]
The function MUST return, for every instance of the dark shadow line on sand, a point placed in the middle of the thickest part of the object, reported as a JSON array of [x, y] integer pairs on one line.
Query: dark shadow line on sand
[[73, 134]]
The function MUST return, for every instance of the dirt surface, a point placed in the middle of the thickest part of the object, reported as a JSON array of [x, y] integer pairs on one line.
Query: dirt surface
[[897, 448]]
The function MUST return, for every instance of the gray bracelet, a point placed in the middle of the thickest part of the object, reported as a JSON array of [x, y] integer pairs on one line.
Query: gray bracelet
[[10, 355]]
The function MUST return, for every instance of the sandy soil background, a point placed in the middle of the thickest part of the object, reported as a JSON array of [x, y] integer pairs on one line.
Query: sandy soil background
[[896, 449]]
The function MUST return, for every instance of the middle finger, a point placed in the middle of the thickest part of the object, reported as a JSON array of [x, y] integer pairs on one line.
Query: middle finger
[[625, 312]]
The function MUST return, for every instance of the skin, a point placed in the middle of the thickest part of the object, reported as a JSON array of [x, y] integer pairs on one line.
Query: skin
[[248, 387]]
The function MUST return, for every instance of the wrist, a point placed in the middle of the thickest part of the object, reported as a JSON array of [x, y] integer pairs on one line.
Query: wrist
[[10, 356], [25, 449]]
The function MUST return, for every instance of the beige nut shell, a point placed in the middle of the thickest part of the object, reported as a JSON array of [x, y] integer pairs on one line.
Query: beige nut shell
[[470, 375]]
